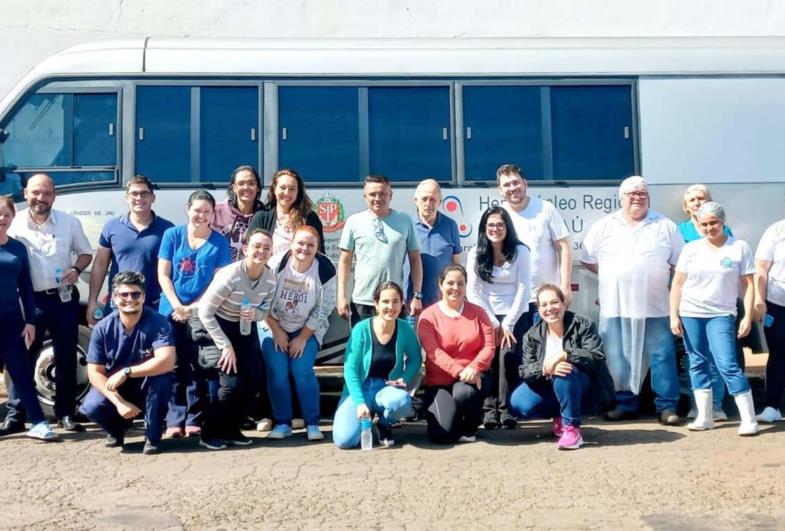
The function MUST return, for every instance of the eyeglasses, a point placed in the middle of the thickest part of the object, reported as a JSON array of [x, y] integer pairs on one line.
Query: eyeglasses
[[124, 295], [638, 195], [141, 194], [497, 226], [379, 228]]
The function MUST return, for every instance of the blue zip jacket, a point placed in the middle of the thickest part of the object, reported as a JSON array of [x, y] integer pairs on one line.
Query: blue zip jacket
[[359, 350]]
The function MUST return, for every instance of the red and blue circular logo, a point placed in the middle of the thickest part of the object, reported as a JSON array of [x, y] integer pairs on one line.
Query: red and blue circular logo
[[454, 208]]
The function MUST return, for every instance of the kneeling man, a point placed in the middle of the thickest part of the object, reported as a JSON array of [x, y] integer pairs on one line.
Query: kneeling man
[[130, 362]]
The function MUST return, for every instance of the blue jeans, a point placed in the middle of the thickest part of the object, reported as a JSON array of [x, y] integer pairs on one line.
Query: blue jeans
[[279, 366], [717, 384], [658, 346], [715, 337], [189, 396], [388, 402], [150, 394], [561, 396], [17, 364]]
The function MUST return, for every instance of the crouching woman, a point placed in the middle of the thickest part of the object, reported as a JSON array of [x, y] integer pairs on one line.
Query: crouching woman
[[563, 365]]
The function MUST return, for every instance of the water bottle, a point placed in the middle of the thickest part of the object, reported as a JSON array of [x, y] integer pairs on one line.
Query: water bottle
[[63, 289], [412, 320], [366, 437], [245, 324]]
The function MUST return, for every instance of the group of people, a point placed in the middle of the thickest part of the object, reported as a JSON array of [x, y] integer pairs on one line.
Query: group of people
[[202, 317]]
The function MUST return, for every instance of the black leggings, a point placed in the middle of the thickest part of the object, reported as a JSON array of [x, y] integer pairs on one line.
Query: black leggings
[[775, 367], [454, 410]]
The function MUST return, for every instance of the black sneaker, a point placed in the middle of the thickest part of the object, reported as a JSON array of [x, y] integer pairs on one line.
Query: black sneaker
[[68, 423], [151, 448], [10, 427], [669, 417], [113, 441], [385, 434], [615, 415], [491, 421], [238, 440], [509, 422], [212, 444]]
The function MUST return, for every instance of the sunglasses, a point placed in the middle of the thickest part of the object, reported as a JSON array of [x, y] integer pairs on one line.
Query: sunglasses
[[379, 230], [134, 295]]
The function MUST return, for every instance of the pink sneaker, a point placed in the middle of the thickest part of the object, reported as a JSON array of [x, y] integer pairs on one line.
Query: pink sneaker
[[557, 430], [192, 431], [571, 438], [174, 432]]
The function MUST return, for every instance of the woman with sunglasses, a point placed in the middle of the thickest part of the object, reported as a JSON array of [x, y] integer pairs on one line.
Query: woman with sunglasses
[[499, 281], [190, 255]]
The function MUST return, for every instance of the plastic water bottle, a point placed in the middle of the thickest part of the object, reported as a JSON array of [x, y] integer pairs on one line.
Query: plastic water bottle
[[63, 289], [412, 320], [366, 437], [245, 324]]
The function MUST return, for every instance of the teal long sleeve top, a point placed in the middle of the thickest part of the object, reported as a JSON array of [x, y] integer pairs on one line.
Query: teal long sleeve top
[[359, 350]]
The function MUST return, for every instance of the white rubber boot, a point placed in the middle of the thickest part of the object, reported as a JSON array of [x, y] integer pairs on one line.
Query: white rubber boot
[[749, 424], [704, 420]]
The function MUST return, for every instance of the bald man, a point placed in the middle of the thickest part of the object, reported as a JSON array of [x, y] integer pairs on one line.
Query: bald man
[[440, 243], [52, 238]]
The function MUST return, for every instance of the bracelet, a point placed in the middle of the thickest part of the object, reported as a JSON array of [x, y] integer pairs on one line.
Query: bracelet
[[75, 268]]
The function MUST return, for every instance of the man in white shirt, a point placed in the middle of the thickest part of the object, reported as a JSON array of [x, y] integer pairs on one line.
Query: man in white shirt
[[57, 247], [540, 226], [633, 251]]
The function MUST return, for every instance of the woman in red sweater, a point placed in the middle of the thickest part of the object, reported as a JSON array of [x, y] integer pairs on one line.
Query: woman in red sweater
[[459, 343]]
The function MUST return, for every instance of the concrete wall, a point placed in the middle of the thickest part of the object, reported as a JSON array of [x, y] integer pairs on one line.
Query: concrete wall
[[31, 30]]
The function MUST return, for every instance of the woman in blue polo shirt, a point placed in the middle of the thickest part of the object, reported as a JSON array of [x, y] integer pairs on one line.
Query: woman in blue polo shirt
[[189, 257]]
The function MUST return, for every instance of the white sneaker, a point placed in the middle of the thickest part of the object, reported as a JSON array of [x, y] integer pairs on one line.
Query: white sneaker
[[281, 431], [264, 425], [467, 438], [720, 415], [314, 433], [298, 424], [770, 415]]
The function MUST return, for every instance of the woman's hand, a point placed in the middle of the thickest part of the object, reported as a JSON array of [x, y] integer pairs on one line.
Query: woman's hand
[[549, 365], [181, 313], [28, 334], [228, 360], [759, 311], [280, 339], [297, 346], [470, 375], [745, 326], [363, 412], [676, 328], [248, 314], [563, 368], [400, 382]]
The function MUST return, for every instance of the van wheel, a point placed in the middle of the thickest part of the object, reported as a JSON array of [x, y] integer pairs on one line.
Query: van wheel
[[44, 372]]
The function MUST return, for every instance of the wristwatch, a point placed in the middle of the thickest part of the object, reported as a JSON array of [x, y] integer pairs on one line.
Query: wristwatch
[[127, 372], [417, 295]]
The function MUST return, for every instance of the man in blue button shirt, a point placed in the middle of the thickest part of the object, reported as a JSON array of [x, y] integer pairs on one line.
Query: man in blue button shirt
[[440, 243], [129, 243], [129, 364]]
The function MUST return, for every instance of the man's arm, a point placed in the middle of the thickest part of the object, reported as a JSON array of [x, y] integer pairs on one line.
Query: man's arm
[[762, 268], [344, 267], [103, 255], [564, 252], [415, 262]]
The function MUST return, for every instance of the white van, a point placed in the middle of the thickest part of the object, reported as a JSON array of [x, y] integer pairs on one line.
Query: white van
[[578, 115]]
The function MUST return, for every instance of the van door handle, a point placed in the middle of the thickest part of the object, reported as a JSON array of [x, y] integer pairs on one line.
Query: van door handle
[[253, 134], [141, 133], [283, 133]]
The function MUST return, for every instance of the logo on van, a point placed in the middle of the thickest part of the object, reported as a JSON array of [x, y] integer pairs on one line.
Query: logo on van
[[331, 212], [453, 206]]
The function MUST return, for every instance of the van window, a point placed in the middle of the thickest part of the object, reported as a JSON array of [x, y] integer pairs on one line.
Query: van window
[[409, 133], [70, 136], [318, 132], [228, 132], [163, 133]]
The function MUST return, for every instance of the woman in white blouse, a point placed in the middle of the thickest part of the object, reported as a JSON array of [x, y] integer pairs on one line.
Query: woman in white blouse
[[499, 271], [703, 310]]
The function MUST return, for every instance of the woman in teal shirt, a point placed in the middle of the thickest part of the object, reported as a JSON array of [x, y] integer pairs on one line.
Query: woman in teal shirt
[[382, 360]]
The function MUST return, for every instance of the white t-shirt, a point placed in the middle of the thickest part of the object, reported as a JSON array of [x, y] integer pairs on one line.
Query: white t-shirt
[[772, 248], [282, 239], [295, 296], [539, 225], [712, 283], [634, 263], [507, 295], [554, 346]]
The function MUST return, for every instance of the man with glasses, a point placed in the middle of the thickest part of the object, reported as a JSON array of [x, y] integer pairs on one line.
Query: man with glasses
[[59, 251], [633, 251], [381, 238], [129, 242], [129, 363]]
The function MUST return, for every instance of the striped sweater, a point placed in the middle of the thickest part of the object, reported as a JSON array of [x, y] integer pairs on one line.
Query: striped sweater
[[224, 297]]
